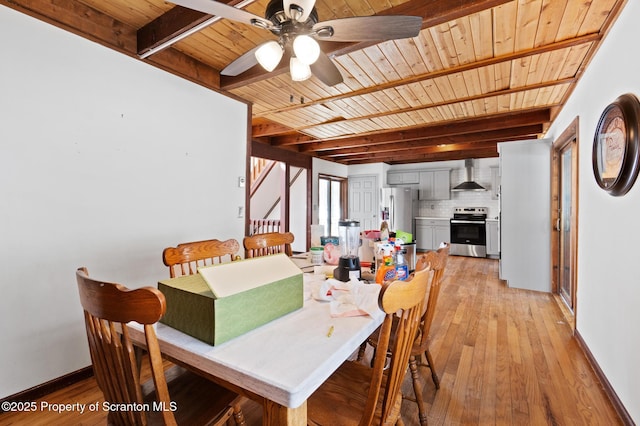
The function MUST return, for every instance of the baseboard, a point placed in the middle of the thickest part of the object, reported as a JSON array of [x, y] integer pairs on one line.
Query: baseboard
[[608, 389], [56, 384]]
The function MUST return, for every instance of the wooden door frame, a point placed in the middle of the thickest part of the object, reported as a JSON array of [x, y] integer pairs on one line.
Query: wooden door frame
[[570, 136]]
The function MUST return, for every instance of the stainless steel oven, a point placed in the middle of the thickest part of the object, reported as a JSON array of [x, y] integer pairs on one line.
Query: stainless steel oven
[[469, 232]]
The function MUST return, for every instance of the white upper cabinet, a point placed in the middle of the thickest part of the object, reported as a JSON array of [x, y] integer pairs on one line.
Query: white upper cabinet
[[402, 178], [435, 185]]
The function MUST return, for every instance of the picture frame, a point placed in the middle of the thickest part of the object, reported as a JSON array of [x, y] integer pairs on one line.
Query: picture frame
[[616, 145]]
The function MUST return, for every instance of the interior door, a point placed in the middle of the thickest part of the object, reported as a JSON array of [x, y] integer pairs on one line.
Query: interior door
[[565, 206], [363, 201]]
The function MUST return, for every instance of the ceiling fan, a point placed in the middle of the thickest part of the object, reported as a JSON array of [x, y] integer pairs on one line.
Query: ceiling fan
[[296, 24]]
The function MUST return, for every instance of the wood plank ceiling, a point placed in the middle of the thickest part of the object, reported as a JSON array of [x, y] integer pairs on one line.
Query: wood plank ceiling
[[480, 71]]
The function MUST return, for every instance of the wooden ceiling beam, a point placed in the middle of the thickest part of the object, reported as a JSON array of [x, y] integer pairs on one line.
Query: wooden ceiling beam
[[454, 127], [429, 150], [265, 127], [425, 158], [170, 26], [262, 150], [527, 132]]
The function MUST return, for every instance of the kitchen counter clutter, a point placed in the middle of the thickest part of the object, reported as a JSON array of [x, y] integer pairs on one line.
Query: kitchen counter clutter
[[431, 231]]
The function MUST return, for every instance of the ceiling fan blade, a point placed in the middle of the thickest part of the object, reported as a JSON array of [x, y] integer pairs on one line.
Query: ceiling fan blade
[[223, 10], [241, 64], [369, 28], [326, 70]]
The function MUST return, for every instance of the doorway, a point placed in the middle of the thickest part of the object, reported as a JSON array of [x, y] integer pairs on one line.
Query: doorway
[[278, 193], [364, 202], [564, 205]]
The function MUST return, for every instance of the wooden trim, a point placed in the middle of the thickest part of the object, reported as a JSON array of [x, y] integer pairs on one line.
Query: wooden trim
[[285, 196], [51, 386], [608, 389]]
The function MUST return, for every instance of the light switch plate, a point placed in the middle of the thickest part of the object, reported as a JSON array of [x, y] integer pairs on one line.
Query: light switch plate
[[241, 181]]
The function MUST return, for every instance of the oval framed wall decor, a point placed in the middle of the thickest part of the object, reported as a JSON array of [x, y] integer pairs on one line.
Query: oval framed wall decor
[[616, 151]]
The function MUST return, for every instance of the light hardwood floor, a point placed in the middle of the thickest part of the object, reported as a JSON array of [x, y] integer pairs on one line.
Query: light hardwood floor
[[504, 356]]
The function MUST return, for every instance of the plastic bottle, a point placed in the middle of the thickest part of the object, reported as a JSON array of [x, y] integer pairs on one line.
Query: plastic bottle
[[387, 270], [402, 269], [384, 231]]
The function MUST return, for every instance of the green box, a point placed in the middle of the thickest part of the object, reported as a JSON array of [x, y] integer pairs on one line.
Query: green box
[[224, 301]]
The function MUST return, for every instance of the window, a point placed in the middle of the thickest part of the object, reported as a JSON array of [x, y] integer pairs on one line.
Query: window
[[332, 204]]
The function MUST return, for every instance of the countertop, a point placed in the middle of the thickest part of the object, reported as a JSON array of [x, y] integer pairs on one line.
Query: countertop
[[432, 218]]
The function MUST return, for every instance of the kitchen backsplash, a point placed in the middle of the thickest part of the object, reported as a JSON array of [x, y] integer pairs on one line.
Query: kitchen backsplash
[[444, 208]]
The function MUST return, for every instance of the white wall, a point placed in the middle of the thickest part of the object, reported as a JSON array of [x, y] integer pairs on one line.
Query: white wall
[[104, 161], [608, 295]]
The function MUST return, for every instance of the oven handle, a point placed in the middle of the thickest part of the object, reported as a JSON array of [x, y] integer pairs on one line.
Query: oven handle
[[468, 221]]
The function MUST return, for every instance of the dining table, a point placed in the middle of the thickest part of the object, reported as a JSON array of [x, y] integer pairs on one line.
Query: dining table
[[279, 364]]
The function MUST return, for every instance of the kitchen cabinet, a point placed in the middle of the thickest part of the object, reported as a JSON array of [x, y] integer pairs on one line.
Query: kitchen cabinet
[[402, 178], [493, 238], [435, 185], [495, 183], [430, 232]]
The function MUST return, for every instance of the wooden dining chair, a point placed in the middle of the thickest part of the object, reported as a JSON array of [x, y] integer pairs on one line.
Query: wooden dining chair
[[358, 395], [435, 261], [268, 243], [185, 258], [107, 309]]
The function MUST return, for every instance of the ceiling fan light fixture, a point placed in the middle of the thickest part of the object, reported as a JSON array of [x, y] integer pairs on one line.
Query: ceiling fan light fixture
[[298, 10], [269, 55], [307, 50], [299, 70]]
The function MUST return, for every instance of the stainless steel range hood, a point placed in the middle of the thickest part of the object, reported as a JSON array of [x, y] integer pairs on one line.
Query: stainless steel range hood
[[470, 184]]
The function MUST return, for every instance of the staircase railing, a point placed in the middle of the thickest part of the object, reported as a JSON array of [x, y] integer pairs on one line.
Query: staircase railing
[[261, 226]]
